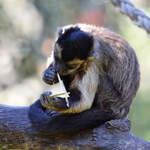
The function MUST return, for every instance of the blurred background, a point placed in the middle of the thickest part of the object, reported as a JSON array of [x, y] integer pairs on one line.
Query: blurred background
[[27, 32]]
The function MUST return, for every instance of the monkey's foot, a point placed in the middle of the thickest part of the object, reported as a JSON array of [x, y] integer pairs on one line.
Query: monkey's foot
[[57, 103]]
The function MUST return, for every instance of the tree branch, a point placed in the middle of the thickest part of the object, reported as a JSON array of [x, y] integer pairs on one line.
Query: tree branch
[[20, 130]]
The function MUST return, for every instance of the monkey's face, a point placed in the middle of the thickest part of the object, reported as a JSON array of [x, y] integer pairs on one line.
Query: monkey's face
[[64, 67]]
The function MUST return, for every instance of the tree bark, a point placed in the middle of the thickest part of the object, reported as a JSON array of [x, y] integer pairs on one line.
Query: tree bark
[[19, 131]]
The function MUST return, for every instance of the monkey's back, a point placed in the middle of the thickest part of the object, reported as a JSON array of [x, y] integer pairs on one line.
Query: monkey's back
[[119, 74]]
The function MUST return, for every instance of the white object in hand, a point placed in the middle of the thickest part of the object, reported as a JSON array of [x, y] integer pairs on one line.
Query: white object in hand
[[66, 94]]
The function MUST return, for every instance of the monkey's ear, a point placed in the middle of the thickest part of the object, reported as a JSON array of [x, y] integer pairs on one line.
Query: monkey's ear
[[60, 31]]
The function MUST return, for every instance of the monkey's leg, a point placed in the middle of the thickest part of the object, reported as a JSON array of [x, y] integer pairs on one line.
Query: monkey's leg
[[80, 121], [68, 123]]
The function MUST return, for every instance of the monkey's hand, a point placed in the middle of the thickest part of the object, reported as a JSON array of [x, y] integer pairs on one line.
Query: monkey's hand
[[49, 75], [58, 104]]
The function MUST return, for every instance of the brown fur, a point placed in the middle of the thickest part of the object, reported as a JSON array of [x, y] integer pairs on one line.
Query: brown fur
[[119, 74]]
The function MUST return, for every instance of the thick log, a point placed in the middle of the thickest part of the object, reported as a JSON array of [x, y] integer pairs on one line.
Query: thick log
[[21, 130]]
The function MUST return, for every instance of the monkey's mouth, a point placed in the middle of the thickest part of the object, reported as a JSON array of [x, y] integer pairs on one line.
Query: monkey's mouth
[[70, 71]]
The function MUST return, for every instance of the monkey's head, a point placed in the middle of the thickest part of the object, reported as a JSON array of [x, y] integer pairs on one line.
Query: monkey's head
[[72, 52], [72, 49]]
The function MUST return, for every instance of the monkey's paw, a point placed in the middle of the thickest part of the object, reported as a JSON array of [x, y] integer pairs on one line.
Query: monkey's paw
[[49, 76], [57, 103]]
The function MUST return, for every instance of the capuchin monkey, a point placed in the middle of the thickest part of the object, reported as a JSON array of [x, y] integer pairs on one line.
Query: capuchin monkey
[[99, 70]]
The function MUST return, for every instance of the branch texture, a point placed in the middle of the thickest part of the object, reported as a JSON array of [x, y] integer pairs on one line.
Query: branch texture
[[19, 130]]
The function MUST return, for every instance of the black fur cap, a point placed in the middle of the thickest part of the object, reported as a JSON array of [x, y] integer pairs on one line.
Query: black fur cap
[[75, 43]]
